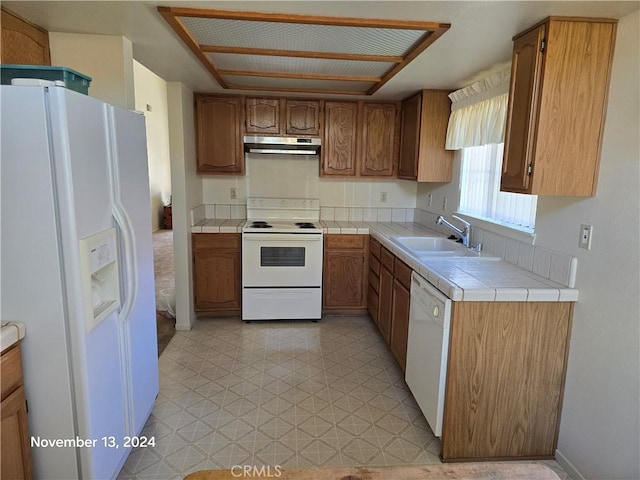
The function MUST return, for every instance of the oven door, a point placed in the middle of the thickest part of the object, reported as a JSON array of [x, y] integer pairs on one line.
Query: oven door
[[281, 260]]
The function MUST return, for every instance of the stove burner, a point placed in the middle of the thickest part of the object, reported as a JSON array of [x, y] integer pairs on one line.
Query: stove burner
[[305, 225], [260, 224]]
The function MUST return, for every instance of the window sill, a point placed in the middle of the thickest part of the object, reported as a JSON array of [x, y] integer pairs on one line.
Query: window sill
[[525, 235]]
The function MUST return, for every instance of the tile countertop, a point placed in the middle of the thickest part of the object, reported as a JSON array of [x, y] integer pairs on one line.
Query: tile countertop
[[461, 279], [10, 333], [465, 279]]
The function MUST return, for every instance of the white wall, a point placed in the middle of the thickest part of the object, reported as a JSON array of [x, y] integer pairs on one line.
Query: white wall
[[288, 176], [151, 99], [107, 59], [600, 427], [187, 194]]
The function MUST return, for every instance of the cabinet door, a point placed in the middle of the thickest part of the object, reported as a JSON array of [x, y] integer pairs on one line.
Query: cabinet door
[[303, 117], [410, 138], [344, 285], [262, 115], [505, 379], [378, 139], [219, 134], [522, 111], [217, 283], [16, 456], [400, 323], [23, 43], [345, 272], [339, 143], [385, 303]]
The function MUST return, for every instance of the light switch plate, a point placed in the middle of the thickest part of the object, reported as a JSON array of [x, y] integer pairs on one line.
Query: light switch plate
[[586, 232]]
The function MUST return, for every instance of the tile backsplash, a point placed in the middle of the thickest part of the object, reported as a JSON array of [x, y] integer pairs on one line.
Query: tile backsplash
[[366, 214], [330, 214]]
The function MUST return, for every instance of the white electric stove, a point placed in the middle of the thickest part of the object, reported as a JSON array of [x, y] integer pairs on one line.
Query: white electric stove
[[282, 259]]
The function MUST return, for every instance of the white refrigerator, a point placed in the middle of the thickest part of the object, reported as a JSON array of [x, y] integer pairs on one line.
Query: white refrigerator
[[76, 261]]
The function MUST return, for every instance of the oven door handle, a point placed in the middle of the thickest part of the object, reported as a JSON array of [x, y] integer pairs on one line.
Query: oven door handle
[[279, 237]]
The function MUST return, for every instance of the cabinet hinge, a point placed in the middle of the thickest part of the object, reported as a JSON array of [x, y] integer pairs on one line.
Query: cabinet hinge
[[529, 169], [543, 45]]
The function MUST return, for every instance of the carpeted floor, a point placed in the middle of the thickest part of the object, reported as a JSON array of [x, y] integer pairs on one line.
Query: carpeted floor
[[164, 277]]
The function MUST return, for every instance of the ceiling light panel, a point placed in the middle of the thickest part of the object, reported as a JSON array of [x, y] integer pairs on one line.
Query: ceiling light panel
[[303, 37], [267, 63], [300, 53], [297, 84]]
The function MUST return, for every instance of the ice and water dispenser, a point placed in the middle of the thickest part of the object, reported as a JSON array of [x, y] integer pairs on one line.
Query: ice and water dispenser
[[100, 277]]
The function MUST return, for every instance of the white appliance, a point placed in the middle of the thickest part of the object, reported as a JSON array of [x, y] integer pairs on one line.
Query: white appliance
[[428, 349], [77, 270], [282, 259]]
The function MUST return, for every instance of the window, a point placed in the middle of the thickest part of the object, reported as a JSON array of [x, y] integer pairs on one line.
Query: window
[[480, 194]]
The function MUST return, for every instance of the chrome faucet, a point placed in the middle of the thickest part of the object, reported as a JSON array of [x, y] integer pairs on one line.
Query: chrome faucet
[[464, 233]]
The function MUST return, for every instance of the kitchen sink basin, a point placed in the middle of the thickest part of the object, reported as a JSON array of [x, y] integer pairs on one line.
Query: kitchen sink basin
[[437, 247], [427, 244]]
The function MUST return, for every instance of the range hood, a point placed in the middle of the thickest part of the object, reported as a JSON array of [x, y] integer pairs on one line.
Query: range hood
[[282, 145]]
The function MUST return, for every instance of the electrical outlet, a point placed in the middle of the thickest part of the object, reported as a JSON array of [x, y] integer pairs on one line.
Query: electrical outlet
[[383, 197], [430, 200], [444, 204], [233, 193], [586, 232]]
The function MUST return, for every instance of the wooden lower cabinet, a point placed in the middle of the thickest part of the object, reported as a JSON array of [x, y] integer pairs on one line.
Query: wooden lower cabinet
[[385, 304], [400, 311], [217, 273], [505, 380], [345, 272], [14, 441], [389, 297], [374, 279]]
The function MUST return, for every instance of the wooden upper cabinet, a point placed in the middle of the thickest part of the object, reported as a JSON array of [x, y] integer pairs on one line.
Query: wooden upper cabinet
[[262, 116], [378, 139], [303, 117], [338, 153], [526, 68], [219, 134], [409, 137], [557, 102], [424, 121], [22, 42]]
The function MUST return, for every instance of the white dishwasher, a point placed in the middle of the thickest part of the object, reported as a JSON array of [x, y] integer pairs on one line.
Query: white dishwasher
[[428, 349]]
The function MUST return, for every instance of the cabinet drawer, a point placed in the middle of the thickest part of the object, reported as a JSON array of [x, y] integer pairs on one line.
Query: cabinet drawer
[[402, 273], [340, 242], [374, 247], [11, 368], [386, 258], [374, 265], [214, 241]]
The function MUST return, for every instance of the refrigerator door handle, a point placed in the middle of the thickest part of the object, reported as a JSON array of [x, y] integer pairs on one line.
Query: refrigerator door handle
[[129, 274]]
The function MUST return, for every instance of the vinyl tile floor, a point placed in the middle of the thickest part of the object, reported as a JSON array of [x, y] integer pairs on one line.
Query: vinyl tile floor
[[292, 394]]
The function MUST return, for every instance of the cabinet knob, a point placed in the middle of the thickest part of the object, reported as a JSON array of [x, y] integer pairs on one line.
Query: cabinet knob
[[436, 311]]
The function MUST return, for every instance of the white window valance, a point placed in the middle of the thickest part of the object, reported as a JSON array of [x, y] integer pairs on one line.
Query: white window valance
[[478, 112]]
